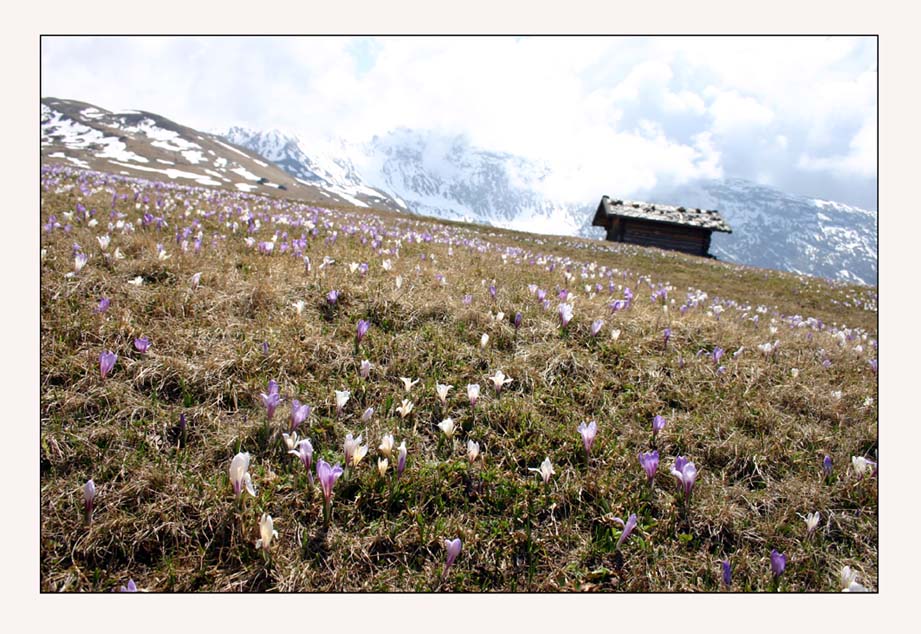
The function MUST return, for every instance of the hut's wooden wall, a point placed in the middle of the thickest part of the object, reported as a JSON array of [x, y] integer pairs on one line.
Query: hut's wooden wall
[[692, 240]]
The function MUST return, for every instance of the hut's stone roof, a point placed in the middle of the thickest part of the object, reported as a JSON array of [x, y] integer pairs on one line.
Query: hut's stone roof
[[703, 218]]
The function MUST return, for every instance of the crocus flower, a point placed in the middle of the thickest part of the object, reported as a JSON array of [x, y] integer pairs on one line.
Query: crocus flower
[[106, 362], [849, 581], [342, 397], [473, 393], [545, 470], [89, 497], [588, 433], [658, 424], [453, 548], [686, 473], [442, 392], [367, 414], [650, 463], [332, 297], [195, 280], [401, 458], [103, 305], [861, 465], [666, 335], [271, 399], [267, 532], [597, 325], [327, 476], [484, 340], [717, 354], [447, 426], [778, 563], [629, 525], [131, 587], [290, 440], [812, 521], [80, 261], [382, 464], [499, 380], [365, 369], [565, 313], [265, 347], [517, 321], [408, 383], [304, 452], [362, 330], [406, 406], [615, 334], [350, 446], [141, 344], [239, 474], [299, 413], [473, 450], [386, 446], [826, 466], [727, 572]]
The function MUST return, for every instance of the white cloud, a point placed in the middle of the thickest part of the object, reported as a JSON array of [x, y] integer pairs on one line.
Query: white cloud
[[605, 112]]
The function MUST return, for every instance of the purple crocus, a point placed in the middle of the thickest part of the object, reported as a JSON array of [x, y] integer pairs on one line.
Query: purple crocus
[[265, 347], [106, 362], [361, 331], [453, 548], [597, 325], [327, 476], [89, 497], [304, 452], [517, 321], [103, 305], [131, 587], [332, 297], [778, 563], [271, 399], [826, 466], [658, 424], [727, 572], [629, 525], [650, 463], [588, 435], [666, 335], [299, 413], [717, 354], [565, 313], [492, 291], [686, 473], [141, 344]]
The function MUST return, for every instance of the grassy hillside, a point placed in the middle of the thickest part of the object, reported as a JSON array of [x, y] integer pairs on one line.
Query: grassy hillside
[[158, 434]]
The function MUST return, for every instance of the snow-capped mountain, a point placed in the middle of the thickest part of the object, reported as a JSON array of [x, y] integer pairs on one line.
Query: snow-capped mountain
[[777, 230], [445, 176]]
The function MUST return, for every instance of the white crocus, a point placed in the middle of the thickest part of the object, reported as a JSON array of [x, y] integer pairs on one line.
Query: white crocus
[[812, 521], [442, 392], [405, 408], [342, 397], [360, 452], [849, 581], [499, 380], [615, 334], [267, 532], [382, 464], [138, 281], [484, 340], [447, 426], [103, 241], [290, 440], [399, 281], [408, 383], [299, 306], [794, 372], [239, 474], [861, 465], [473, 450], [386, 446], [545, 470], [473, 393]]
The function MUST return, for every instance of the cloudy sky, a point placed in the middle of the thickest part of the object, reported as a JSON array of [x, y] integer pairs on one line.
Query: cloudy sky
[[622, 114]]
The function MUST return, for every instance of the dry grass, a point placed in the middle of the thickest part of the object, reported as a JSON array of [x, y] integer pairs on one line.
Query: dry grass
[[166, 515]]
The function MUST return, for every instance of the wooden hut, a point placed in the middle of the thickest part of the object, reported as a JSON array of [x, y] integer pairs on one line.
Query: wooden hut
[[662, 226]]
